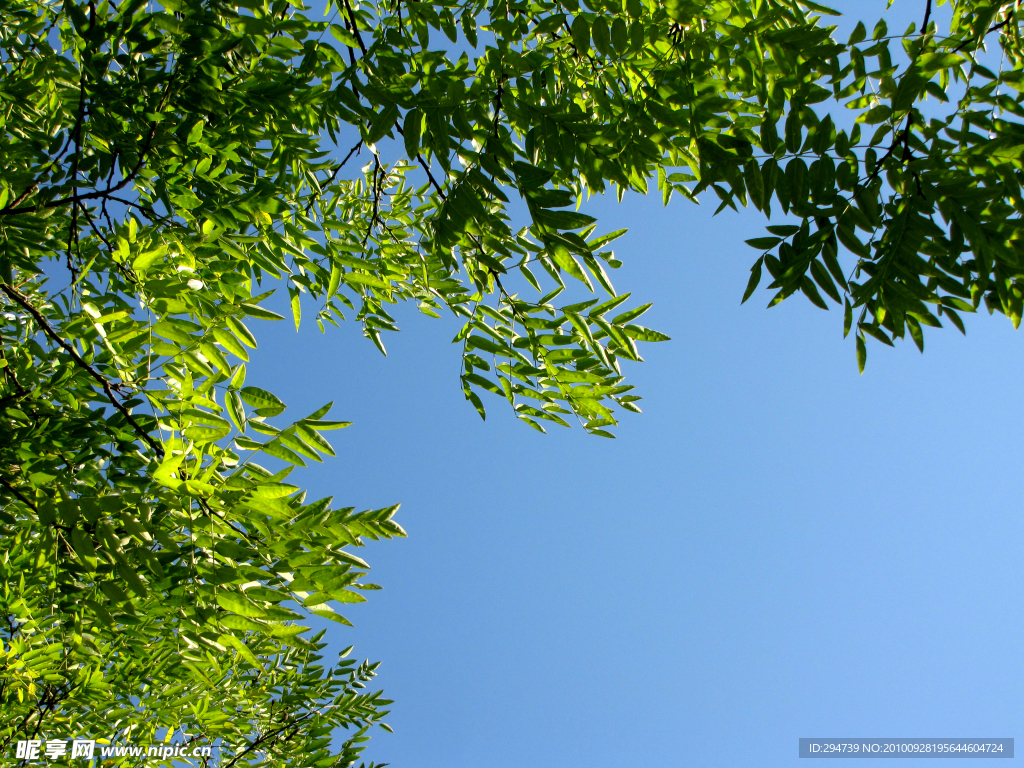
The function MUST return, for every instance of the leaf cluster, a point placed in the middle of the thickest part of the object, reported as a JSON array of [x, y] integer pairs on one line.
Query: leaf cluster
[[166, 168]]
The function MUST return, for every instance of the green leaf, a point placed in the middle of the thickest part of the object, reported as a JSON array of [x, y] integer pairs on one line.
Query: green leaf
[[620, 36], [581, 34], [238, 379], [293, 292], [237, 604], [276, 449], [755, 279], [602, 35], [348, 557], [167, 472], [114, 592], [412, 131], [235, 410], [243, 334], [147, 259], [274, 490], [204, 434], [824, 280], [600, 242], [361, 278], [631, 314], [131, 577], [346, 596], [318, 424], [262, 400], [763, 243], [607, 306], [640, 333], [83, 545], [343, 36], [259, 312], [196, 133], [382, 124], [229, 640], [933, 62], [230, 343], [326, 612]]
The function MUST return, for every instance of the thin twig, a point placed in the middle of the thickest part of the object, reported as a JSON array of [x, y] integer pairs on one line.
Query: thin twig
[[497, 103], [147, 210], [431, 177], [334, 175], [96, 231], [377, 188]]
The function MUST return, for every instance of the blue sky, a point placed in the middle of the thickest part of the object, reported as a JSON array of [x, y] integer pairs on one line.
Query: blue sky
[[777, 547]]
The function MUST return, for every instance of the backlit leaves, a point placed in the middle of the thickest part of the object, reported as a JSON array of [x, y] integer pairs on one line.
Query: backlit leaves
[[166, 169]]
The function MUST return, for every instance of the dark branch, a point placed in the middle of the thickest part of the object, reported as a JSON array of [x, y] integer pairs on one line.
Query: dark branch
[[148, 211], [431, 177], [334, 175], [355, 28], [48, 329], [1000, 25], [127, 179], [377, 189], [23, 195], [15, 492]]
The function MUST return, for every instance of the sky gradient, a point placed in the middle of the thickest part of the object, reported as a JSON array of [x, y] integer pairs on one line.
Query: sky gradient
[[777, 547]]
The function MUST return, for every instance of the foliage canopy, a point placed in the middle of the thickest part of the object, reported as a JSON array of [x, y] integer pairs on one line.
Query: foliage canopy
[[163, 164]]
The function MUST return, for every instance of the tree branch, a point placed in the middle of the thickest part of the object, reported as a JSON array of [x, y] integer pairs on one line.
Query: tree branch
[[98, 193], [431, 177], [147, 145], [334, 175], [15, 492], [267, 736], [355, 27], [19, 298], [1000, 25], [377, 189]]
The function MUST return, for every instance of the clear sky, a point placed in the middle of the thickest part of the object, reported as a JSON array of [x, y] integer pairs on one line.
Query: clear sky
[[777, 547]]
